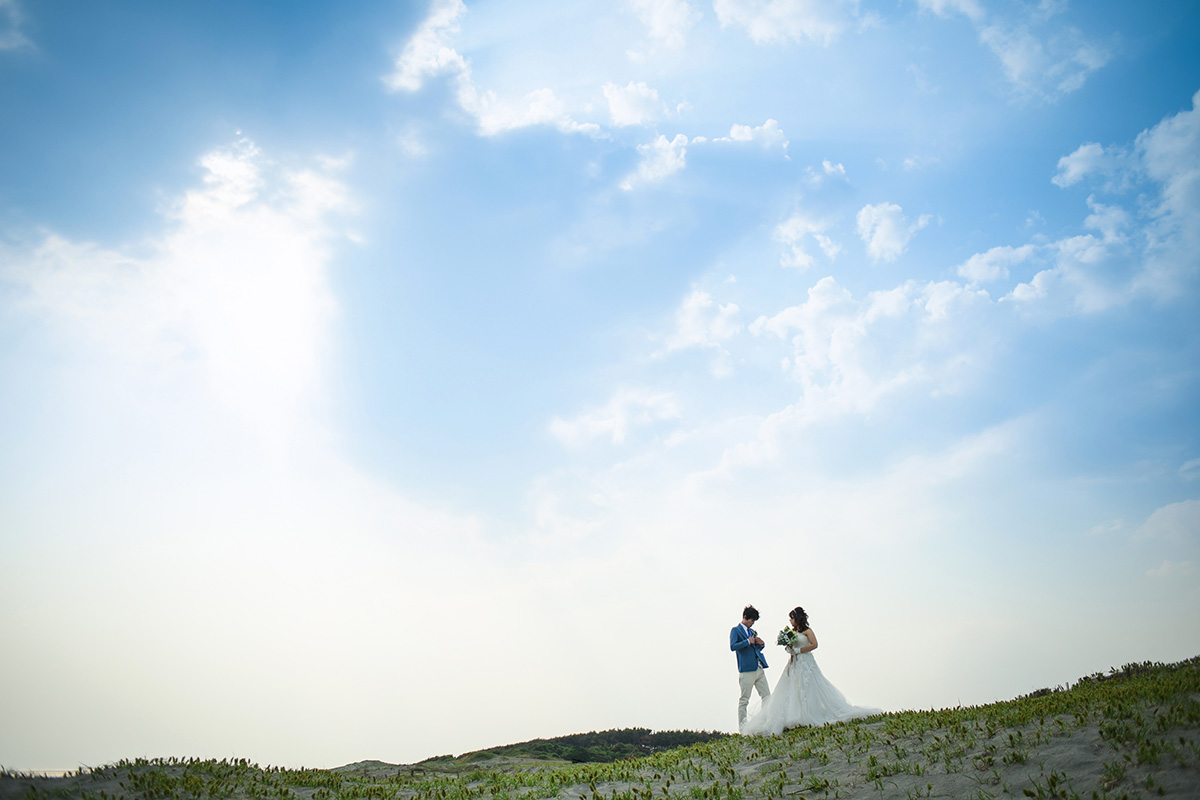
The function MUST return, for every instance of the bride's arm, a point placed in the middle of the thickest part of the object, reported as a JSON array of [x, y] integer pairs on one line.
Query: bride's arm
[[812, 642]]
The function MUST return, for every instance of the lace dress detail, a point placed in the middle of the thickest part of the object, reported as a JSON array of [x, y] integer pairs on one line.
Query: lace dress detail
[[803, 696]]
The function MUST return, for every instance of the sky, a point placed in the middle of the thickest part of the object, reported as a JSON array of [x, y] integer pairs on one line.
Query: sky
[[388, 380]]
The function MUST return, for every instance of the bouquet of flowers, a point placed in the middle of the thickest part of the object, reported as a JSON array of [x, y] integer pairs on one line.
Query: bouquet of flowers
[[787, 636]]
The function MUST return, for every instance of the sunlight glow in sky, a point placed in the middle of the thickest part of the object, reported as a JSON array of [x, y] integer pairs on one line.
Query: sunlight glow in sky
[[407, 378]]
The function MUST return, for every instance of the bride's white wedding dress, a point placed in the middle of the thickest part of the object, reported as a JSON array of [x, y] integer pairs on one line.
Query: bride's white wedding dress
[[803, 696]]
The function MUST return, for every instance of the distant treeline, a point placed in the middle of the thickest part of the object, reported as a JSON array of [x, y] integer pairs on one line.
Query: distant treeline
[[593, 747]]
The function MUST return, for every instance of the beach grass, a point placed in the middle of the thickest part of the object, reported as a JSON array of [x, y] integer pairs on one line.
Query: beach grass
[[1132, 732]]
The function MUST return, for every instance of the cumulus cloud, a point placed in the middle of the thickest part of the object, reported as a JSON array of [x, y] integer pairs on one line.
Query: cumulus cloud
[[768, 135], [774, 21], [660, 158], [828, 170], [833, 169], [539, 107], [702, 322], [792, 233], [429, 54], [848, 354], [886, 231], [1169, 155], [625, 410], [994, 264], [667, 21], [636, 104], [831, 330], [1087, 158], [1146, 252], [1092, 272]]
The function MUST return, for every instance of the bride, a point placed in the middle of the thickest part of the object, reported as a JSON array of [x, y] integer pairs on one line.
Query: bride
[[803, 695]]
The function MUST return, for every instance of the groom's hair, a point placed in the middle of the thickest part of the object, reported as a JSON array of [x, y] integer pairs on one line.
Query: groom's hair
[[750, 613]]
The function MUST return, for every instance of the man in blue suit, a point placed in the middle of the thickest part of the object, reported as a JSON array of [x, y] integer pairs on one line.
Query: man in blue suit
[[745, 642]]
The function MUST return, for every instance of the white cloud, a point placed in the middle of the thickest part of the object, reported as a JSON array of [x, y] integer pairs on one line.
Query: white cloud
[[829, 246], [412, 144], [994, 264], [1110, 221], [667, 21], [919, 162], [772, 21], [886, 231], [769, 135], [702, 322], [1178, 523], [1150, 253], [828, 170], [429, 54], [1169, 154], [1046, 68], [792, 232], [1091, 273], [921, 80], [539, 107], [1049, 8], [636, 104], [1086, 159], [968, 8], [234, 297], [1108, 528], [1190, 470], [847, 355], [1170, 569], [1038, 64], [660, 158], [833, 330], [1117, 166], [625, 410], [11, 37]]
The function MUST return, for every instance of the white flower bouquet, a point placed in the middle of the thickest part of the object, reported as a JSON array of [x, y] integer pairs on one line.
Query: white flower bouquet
[[787, 636]]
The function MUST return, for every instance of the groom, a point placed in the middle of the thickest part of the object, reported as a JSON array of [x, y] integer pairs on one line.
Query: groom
[[750, 661]]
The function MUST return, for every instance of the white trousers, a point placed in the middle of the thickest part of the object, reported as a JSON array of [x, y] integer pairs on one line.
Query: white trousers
[[751, 681]]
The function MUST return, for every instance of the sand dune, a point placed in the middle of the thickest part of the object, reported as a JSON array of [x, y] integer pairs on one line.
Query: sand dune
[[1131, 733]]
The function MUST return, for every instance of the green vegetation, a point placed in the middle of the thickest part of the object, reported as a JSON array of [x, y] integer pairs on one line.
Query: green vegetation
[[1130, 733], [592, 747]]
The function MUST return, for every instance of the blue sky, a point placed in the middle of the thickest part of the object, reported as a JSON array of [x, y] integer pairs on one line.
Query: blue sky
[[412, 378]]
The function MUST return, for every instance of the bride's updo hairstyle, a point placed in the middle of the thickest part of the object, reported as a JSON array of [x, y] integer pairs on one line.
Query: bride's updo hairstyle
[[799, 618]]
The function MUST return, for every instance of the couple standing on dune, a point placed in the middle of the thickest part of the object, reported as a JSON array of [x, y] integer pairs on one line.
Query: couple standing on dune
[[803, 696]]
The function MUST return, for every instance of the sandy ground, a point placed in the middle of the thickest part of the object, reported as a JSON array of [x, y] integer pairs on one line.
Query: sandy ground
[[1053, 758]]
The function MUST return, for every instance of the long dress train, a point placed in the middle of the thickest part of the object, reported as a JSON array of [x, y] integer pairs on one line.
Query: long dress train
[[803, 696]]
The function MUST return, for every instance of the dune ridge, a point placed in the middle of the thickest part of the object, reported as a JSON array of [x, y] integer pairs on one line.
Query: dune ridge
[[1133, 732]]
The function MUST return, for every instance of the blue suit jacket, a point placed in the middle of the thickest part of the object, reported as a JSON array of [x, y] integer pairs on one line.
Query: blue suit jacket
[[749, 656]]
